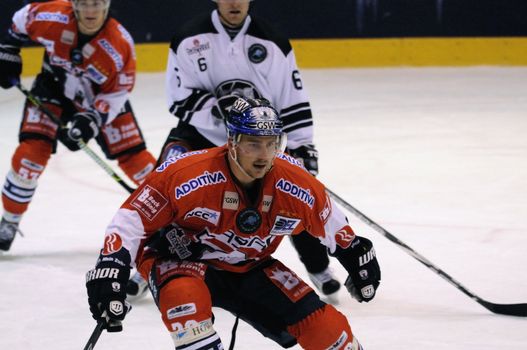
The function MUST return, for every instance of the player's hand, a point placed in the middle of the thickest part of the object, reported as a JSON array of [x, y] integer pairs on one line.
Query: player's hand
[[364, 272], [106, 287], [308, 156], [84, 126], [222, 107], [10, 65]]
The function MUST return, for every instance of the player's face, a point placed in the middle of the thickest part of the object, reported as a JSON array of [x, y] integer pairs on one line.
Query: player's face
[[256, 154], [233, 12], [91, 15]]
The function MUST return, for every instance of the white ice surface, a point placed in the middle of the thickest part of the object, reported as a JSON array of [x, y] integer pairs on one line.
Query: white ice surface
[[437, 157]]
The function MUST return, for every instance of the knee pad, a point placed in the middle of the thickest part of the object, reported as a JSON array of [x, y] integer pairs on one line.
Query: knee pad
[[186, 309], [137, 165], [325, 328], [28, 163]]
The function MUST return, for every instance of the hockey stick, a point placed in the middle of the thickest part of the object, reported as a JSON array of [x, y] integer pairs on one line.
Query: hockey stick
[[503, 309], [99, 327], [33, 99]]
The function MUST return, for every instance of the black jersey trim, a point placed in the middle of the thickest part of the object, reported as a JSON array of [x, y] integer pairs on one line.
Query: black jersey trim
[[184, 109], [304, 115], [294, 107], [200, 25], [263, 30], [291, 128]]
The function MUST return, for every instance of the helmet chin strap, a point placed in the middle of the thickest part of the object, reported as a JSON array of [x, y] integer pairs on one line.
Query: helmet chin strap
[[235, 159]]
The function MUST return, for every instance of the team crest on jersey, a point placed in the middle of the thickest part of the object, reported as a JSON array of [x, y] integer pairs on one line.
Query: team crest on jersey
[[203, 180], [149, 202], [257, 53], [52, 17], [198, 47], [206, 214], [296, 191], [248, 220], [112, 244], [284, 225]]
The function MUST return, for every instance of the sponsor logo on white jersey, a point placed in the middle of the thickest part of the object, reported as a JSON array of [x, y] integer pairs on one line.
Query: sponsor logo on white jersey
[[284, 225], [198, 47], [203, 180], [231, 200], [206, 214], [52, 17], [113, 53], [296, 191], [181, 310]]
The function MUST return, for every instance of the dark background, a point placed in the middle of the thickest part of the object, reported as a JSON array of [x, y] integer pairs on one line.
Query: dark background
[[156, 20]]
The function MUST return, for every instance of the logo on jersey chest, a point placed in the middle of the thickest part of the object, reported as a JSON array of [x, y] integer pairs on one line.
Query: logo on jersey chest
[[52, 17], [198, 47], [284, 225], [248, 220], [231, 200], [205, 179], [296, 191], [206, 214], [257, 53]]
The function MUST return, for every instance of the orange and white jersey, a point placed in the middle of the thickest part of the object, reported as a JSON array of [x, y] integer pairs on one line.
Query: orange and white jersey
[[106, 74], [198, 193]]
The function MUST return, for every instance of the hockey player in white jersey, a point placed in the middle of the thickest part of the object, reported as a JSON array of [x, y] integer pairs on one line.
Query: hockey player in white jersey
[[218, 57]]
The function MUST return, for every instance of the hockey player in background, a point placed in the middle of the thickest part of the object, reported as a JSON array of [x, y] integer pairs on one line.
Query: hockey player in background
[[87, 74], [214, 59], [224, 211]]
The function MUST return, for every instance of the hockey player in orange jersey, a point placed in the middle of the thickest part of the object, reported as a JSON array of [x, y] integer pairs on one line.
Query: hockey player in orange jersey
[[87, 74], [202, 229]]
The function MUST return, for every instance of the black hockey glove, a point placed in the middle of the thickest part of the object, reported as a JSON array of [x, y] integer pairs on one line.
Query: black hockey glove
[[308, 156], [106, 286], [10, 65], [222, 107], [84, 126], [364, 271], [172, 241]]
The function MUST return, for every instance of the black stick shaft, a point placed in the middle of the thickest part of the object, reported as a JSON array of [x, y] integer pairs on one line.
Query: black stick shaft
[[99, 327], [504, 309]]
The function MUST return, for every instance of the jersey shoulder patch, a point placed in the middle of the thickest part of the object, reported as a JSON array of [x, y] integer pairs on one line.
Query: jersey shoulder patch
[[262, 30], [200, 25]]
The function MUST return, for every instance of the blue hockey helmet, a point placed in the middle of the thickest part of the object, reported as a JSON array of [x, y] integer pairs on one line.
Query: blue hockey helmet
[[254, 117]]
